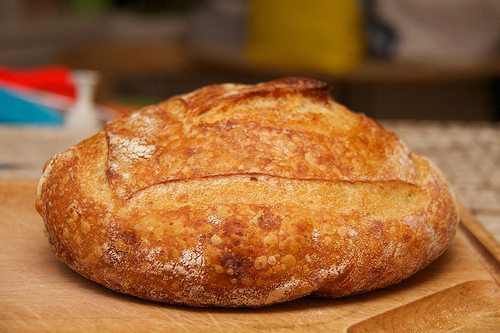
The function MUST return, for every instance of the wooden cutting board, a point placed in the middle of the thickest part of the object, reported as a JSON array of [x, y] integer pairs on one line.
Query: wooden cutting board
[[458, 292]]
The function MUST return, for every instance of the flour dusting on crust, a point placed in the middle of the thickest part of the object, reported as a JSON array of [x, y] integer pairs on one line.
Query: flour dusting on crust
[[132, 149]]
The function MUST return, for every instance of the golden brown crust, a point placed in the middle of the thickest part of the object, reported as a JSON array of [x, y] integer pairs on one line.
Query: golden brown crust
[[245, 196]]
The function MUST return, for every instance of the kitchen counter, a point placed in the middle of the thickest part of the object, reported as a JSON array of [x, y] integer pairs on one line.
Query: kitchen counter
[[458, 292], [468, 153]]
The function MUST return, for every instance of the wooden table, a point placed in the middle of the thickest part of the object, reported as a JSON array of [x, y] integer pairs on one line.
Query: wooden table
[[458, 292]]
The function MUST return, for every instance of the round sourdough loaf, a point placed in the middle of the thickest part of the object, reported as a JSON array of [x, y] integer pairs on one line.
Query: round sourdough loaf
[[244, 196]]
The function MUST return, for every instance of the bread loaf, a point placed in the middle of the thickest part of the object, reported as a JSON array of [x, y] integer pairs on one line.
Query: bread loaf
[[245, 196]]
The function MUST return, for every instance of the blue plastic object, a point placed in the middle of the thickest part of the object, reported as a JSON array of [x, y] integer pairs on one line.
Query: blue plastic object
[[16, 109]]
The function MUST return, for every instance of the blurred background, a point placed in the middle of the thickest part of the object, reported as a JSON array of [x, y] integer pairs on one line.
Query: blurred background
[[403, 59], [428, 70]]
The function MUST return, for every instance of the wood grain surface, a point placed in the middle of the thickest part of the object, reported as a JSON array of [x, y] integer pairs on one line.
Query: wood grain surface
[[459, 292]]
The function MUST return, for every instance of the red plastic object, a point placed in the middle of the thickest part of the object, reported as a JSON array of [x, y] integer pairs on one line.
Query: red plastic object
[[53, 79]]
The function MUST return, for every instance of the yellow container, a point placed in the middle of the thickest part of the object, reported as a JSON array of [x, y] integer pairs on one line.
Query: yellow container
[[322, 35]]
